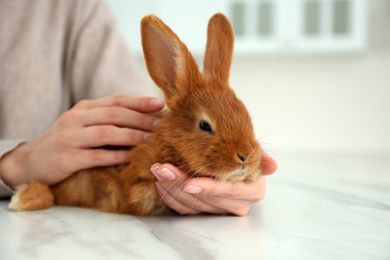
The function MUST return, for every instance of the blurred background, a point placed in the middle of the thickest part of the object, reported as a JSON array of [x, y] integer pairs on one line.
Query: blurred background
[[314, 74]]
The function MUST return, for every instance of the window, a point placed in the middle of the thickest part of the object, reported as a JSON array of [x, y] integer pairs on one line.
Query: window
[[299, 26], [312, 18], [260, 26], [265, 18], [238, 16]]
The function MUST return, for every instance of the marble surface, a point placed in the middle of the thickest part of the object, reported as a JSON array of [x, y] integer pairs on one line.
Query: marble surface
[[317, 206]]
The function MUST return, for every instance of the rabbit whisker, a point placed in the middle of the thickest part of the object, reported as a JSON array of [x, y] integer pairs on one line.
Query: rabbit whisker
[[193, 202], [250, 154], [189, 163], [170, 187], [177, 181], [192, 176], [181, 176], [264, 135]]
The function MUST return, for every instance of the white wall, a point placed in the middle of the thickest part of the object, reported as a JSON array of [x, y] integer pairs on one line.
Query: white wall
[[318, 103], [321, 103]]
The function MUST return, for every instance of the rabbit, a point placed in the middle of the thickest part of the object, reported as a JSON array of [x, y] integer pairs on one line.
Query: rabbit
[[206, 131]]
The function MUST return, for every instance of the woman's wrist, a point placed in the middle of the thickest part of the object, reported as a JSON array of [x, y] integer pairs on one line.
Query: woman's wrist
[[12, 170]]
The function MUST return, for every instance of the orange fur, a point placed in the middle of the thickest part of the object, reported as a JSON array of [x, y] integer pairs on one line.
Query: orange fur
[[180, 140], [32, 197]]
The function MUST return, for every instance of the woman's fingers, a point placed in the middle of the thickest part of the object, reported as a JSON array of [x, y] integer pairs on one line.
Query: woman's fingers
[[171, 190], [121, 111], [184, 203], [104, 157], [118, 116], [238, 190], [140, 104], [185, 194], [74, 160], [108, 121], [268, 165], [173, 203], [97, 136]]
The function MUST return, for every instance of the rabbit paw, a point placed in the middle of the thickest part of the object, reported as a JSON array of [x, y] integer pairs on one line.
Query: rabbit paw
[[32, 197]]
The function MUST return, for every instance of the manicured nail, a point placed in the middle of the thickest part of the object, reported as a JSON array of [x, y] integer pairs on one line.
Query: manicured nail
[[193, 189], [154, 171], [157, 102], [156, 122], [167, 174], [155, 167], [147, 136]]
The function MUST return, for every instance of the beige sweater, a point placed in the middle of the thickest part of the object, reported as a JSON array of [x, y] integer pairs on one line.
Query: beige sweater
[[54, 53]]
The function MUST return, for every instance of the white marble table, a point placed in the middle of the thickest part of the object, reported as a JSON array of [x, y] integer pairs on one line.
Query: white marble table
[[316, 207]]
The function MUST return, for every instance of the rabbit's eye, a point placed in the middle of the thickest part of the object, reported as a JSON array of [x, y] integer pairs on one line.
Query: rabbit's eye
[[205, 126]]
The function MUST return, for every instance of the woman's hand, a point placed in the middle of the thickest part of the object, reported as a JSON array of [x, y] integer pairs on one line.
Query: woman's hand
[[198, 195], [75, 140]]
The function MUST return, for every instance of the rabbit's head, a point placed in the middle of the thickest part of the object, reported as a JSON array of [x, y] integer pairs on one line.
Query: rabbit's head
[[208, 129]]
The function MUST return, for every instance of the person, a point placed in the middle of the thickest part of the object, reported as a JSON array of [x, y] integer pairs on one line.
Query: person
[[68, 87]]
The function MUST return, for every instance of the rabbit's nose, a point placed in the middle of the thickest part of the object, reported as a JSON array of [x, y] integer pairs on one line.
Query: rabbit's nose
[[242, 158]]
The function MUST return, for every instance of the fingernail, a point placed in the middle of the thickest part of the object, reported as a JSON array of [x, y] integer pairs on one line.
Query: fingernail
[[167, 174], [193, 189], [156, 122], [147, 136], [153, 170], [155, 167], [157, 102]]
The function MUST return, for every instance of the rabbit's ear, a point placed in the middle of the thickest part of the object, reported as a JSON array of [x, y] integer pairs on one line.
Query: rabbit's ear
[[167, 59], [219, 50]]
